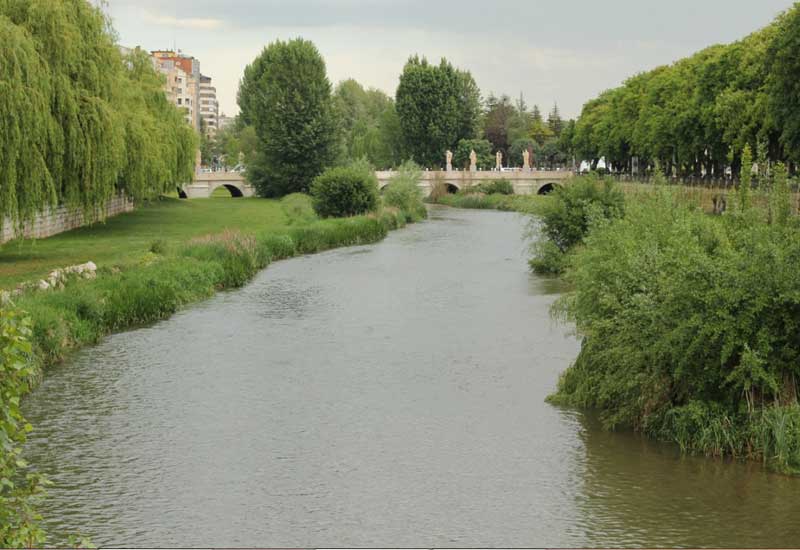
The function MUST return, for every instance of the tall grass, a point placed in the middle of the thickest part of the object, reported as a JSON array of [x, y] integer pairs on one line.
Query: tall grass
[[87, 310], [529, 204]]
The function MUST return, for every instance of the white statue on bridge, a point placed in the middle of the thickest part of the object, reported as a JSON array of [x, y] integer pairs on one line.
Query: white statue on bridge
[[473, 161], [449, 156], [526, 160], [499, 162]]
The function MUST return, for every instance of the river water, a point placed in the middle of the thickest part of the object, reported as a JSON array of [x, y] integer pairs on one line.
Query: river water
[[382, 395]]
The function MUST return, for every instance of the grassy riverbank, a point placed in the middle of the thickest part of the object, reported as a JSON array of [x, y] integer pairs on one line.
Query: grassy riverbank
[[510, 203], [126, 238], [688, 321], [143, 280], [149, 267]]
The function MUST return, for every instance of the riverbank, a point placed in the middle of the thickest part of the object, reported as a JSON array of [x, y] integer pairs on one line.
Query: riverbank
[[39, 328], [127, 238], [154, 285], [528, 204], [688, 320]]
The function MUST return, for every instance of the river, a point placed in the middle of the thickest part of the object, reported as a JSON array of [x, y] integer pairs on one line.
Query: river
[[388, 395]]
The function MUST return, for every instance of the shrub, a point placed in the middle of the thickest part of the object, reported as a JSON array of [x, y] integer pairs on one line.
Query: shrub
[[299, 208], [547, 258], [20, 490], [403, 191], [689, 327], [566, 218], [345, 191], [498, 187]]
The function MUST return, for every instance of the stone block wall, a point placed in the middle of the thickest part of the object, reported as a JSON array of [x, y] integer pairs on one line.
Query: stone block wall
[[57, 220]]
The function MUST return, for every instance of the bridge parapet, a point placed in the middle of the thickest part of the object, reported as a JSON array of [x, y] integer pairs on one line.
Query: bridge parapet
[[205, 183], [525, 182]]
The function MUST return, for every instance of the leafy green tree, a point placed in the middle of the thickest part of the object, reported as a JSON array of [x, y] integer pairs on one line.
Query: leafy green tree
[[80, 121], [524, 144], [368, 123], [539, 130], [483, 152], [554, 121], [783, 87], [287, 96], [437, 106], [497, 120]]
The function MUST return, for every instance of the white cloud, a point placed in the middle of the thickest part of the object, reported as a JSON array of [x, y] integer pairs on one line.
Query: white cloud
[[197, 24]]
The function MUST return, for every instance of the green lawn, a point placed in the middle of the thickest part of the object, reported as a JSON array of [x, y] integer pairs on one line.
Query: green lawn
[[127, 237]]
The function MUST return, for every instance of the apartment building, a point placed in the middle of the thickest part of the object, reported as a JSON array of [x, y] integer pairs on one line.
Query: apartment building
[[209, 106], [182, 85]]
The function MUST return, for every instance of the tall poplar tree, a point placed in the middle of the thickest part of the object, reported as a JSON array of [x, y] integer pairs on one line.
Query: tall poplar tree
[[438, 106], [286, 95]]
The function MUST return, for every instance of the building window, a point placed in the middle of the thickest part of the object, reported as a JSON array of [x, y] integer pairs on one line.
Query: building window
[[180, 101]]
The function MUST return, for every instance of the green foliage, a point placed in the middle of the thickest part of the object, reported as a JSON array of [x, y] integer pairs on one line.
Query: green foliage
[[299, 208], [20, 489], [497, 187], [566, 218], [528, 204], [369, 124], [519, 146], [780, 199], [690, 328], [437, 107], [498, 118], [80, 122], [782, 62], [483, 152], [547, 258], [745, 179], [286, 96], [345, 191], [403, 191], [688, 115]]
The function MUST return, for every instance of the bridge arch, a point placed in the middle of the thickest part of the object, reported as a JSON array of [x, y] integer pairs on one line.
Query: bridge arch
[[547, 188], [232, 188]]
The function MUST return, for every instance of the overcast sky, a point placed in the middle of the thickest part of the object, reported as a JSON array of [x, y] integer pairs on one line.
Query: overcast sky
[[564, 51]]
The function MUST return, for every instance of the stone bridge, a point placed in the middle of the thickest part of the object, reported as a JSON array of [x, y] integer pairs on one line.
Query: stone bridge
[[525, 182], [205, 183]]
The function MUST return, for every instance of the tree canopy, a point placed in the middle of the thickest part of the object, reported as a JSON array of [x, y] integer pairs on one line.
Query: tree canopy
[[286, 96], [697, 115], [369, 124], [438, 105], [81, 121]]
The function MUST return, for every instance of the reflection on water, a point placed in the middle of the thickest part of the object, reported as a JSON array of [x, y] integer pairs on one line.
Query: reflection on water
[[390, 394]]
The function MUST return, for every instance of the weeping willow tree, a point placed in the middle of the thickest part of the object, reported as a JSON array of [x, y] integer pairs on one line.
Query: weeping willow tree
[[81, 122]]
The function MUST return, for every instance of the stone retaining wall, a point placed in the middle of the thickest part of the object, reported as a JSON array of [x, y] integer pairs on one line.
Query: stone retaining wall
[[53, 221]]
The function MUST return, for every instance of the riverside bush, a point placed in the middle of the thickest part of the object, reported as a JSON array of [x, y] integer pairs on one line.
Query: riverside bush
[[403, 191], [299, 208], [345, 191], [497, 187], [20, 490], [564, 220], [690, 328]]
